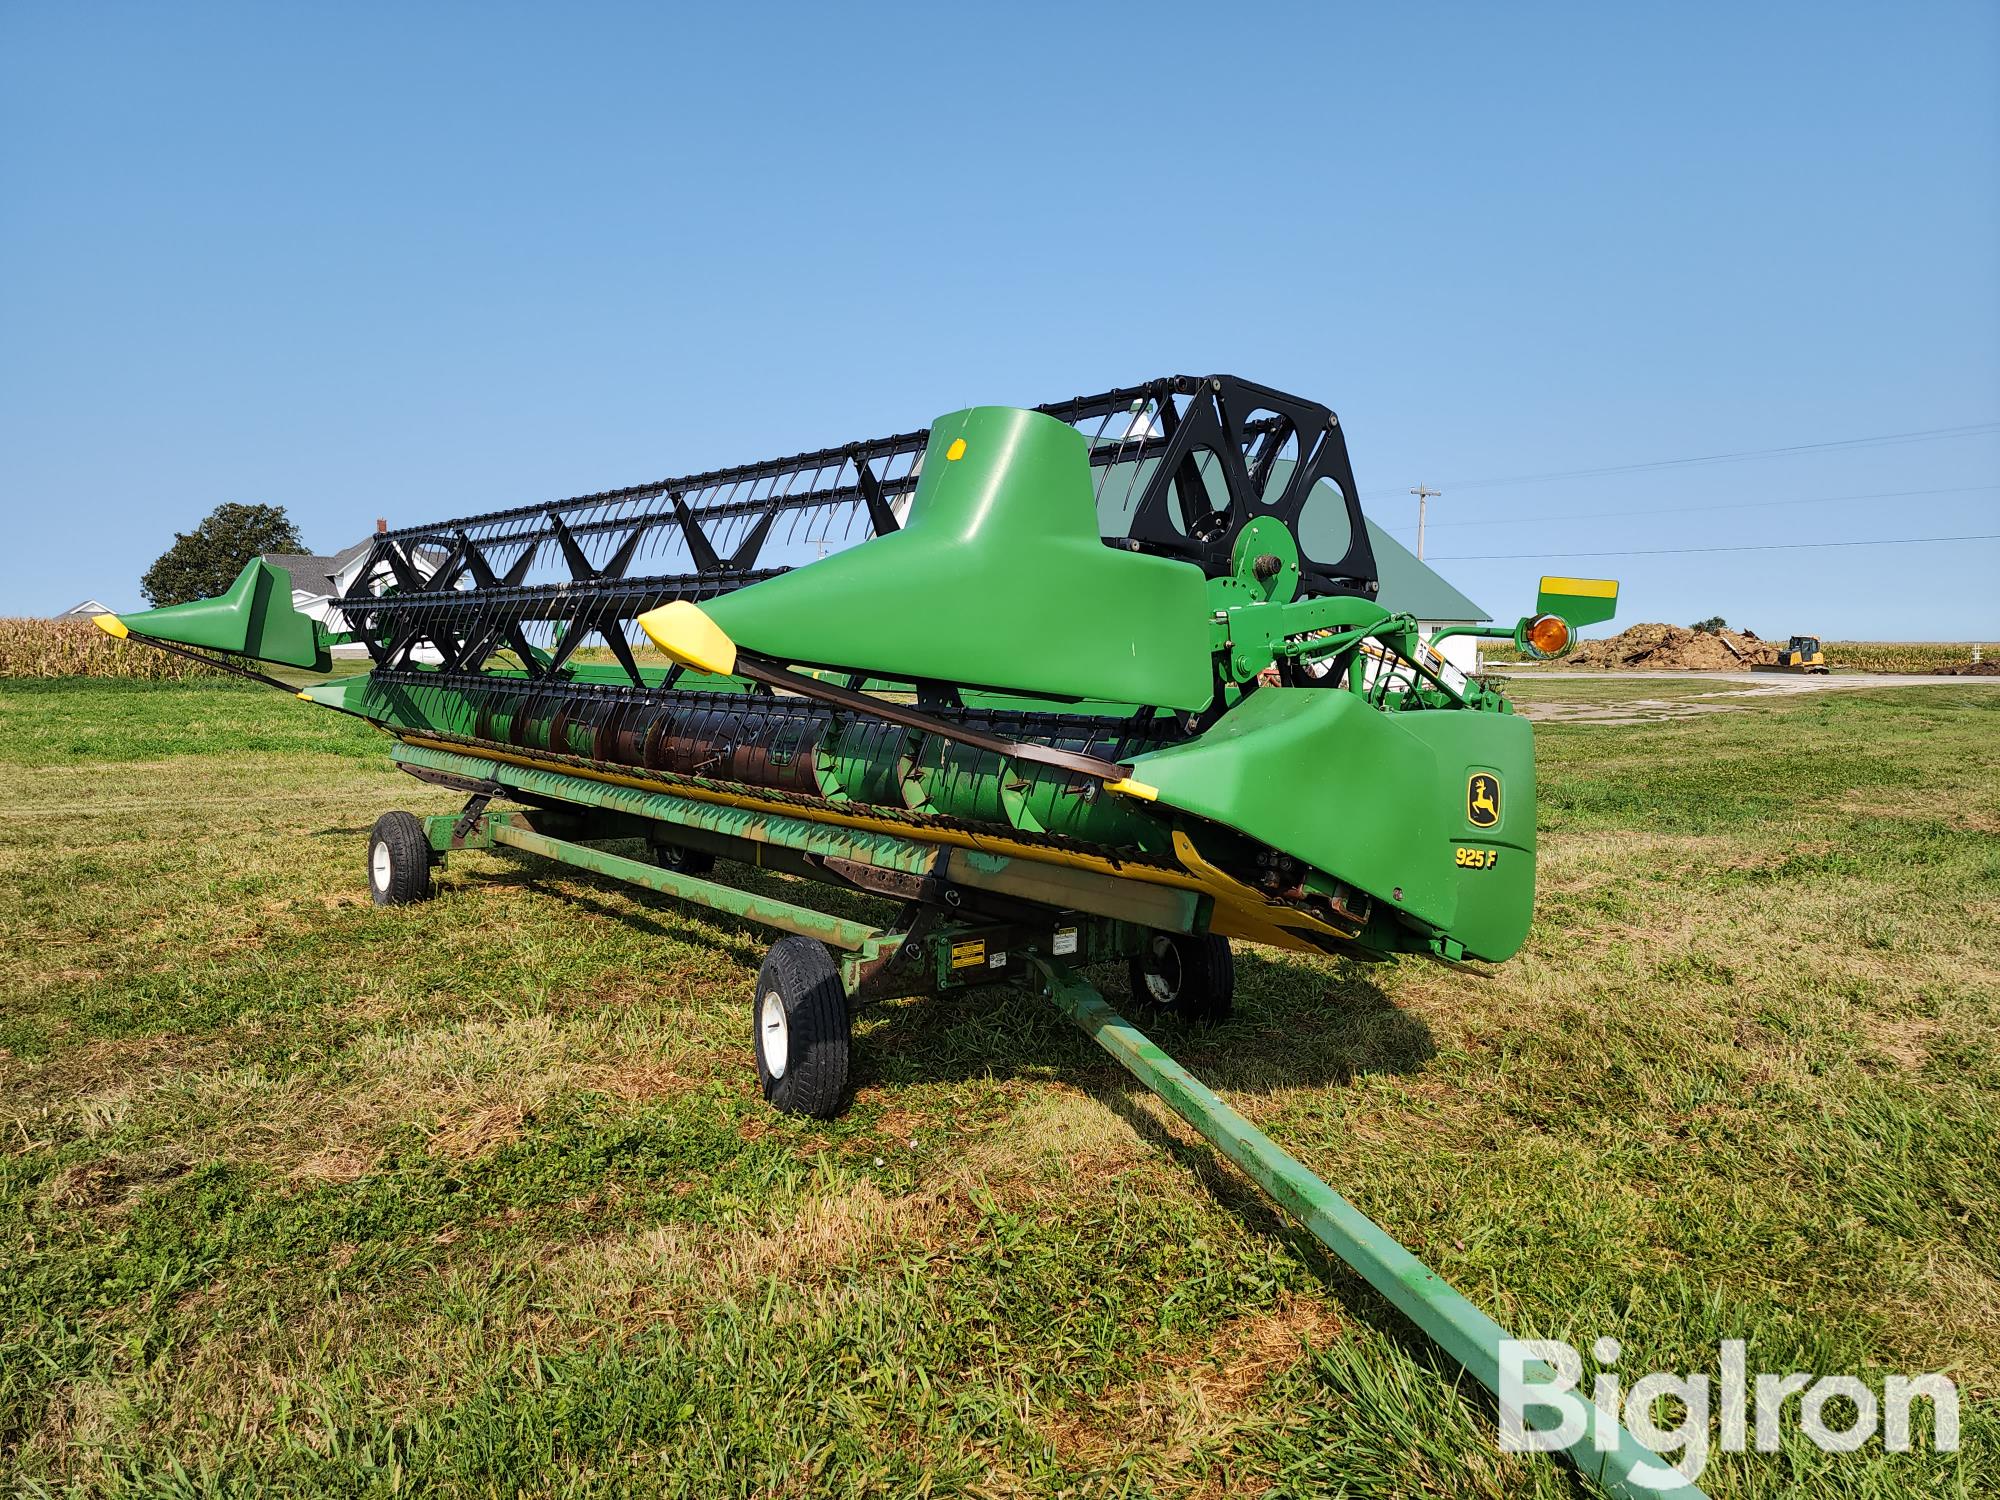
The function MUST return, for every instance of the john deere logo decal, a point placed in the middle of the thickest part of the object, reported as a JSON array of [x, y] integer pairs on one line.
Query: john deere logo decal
[[1482, 800]]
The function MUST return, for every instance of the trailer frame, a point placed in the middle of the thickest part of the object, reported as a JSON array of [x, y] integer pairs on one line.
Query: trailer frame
[[980, 919]]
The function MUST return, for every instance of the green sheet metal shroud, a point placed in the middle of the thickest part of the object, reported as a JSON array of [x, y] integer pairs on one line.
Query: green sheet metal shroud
[[998, 578]]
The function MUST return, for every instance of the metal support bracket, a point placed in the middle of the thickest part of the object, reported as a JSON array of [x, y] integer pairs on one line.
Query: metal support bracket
[[473, 814]]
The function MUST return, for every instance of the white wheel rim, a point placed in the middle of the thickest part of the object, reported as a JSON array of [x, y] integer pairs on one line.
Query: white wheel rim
[[1160, 984], [378, 865], [774, 1034]]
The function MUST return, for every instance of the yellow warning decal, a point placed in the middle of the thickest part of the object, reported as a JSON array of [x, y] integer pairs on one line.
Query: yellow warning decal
[[965, 955]]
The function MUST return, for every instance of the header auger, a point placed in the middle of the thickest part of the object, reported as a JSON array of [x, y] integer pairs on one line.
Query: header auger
[[1102, 681]]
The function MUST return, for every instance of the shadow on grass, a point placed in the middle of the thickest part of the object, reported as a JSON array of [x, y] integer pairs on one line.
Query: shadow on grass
[[1296, 1026], [1297, 1023]]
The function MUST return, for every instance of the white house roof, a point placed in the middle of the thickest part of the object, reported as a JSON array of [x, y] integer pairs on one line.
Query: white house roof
[[317, 573]]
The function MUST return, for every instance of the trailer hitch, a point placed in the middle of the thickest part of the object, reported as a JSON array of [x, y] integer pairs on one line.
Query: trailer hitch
[[1610, 1455]]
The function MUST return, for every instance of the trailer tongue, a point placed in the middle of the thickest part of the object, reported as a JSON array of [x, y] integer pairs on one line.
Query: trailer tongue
[[1106, 680]]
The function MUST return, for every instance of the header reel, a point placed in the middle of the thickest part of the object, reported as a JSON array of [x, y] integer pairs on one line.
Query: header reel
[[1180, 468]]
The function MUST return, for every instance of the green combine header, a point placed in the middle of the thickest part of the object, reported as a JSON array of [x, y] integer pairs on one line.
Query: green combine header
[[1130, 640], [1106, 680]]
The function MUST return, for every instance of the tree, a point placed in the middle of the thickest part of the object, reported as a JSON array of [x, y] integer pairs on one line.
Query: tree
[[203, 562], [1713, 625]]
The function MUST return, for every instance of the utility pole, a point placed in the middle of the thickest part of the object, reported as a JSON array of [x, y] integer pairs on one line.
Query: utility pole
[[1424, 497]]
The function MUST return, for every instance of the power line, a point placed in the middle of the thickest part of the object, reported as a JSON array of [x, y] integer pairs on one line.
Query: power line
[[1675, 510], [1891, 541], [1921, 435]]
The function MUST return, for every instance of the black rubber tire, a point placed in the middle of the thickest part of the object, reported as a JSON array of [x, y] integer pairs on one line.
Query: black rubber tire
[[809, 1052], [683, 861], [1185, 975], [399, 860]]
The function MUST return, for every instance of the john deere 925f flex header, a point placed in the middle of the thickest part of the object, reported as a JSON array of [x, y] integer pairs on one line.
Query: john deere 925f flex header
[[1108, 678], [1105, 680]]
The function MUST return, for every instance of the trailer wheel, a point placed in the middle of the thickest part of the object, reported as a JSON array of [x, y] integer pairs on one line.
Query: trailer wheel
[[1185, 975], [799, 1029], [683, 861], [399, 860]]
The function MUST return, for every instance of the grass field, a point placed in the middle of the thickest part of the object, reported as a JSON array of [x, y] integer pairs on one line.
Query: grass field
[[479, 1197]]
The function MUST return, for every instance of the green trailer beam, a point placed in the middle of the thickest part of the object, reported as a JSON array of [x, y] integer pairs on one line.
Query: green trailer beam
[[837, 932], [1630, 1470]]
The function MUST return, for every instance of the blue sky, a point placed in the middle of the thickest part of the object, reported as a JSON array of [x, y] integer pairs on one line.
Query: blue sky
[[414, 261]]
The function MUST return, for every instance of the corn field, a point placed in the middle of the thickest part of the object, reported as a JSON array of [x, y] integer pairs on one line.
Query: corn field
[[1902, 656], [76, 648]]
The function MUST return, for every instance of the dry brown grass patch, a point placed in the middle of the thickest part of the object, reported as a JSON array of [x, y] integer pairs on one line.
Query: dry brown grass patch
[[85, 1185], [641, 1080], [111, 1184], [90, 1089], [82, 1418], [337, 1164], [477, 1133], [668, 1272], [470, 1087], [1060, 1131], [1904, 1040], [1196, 1397]]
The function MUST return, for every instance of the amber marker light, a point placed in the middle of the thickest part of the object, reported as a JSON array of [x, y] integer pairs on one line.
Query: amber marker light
[[1545, 636]]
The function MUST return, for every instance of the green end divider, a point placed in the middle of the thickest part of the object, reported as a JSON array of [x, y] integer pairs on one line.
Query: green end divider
[[253, 618], [1630, 1470]]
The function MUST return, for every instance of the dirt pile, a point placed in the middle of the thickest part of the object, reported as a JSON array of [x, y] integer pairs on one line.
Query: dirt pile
[[1988, 667], [1670, 648]]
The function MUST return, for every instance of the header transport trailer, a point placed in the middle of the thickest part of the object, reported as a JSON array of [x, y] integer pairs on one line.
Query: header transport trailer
[[1102, 680]]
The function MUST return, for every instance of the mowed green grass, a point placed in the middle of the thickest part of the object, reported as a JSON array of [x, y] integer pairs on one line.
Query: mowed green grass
[[479, 1197]]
